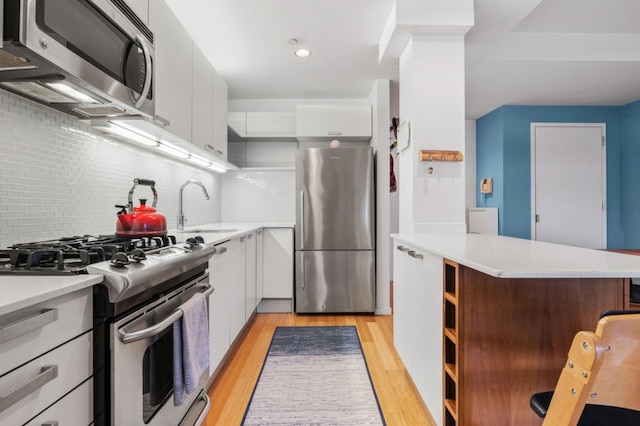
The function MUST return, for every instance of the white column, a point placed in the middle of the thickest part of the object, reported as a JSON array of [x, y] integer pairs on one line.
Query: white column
[[432, 102]]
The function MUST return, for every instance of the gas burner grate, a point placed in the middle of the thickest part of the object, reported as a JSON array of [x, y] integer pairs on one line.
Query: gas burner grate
[[73, 254]]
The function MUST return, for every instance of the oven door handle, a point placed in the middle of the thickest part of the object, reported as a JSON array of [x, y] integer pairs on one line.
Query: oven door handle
[[159, 327]]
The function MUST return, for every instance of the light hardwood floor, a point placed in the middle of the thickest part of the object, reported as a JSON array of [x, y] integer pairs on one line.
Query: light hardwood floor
[[400, 403]]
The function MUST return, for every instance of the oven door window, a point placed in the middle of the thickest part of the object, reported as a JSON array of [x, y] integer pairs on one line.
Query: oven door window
[[157, 375], [84, 30]]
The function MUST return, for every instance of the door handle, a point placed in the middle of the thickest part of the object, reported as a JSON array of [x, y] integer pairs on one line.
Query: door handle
[[301, 219], [47, 374], [403, 249], [415, 255], [134, 336], [304, 275], [149, 71]]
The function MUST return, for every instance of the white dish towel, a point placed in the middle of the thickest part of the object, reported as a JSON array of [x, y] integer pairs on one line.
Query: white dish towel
[[190, 347]]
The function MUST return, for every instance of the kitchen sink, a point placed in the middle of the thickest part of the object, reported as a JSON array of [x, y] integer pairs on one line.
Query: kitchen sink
[[207, 231]]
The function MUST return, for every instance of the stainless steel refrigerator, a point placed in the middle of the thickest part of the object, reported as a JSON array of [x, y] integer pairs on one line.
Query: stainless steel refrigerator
[[335, 230]]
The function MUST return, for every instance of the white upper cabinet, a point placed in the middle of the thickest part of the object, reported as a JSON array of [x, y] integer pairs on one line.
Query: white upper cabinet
[[173, 65], [237, 122], [219, 116], [140, 8], [202, 102], [325, 122], [271, 124], [263, 125]]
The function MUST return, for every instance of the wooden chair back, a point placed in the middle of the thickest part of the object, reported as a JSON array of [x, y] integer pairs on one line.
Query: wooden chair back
[[603, 368]]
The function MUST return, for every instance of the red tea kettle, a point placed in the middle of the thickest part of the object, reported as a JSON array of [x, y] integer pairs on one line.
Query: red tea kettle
[[142, 220]]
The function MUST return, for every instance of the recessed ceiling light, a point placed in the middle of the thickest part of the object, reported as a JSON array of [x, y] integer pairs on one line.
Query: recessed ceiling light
[[302, 53]]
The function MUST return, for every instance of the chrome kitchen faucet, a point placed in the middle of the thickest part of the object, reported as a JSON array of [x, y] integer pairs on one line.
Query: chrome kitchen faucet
[[181, 219]]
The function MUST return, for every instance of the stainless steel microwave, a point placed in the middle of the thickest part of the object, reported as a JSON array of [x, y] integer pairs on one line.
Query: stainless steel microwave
[[89, 58]]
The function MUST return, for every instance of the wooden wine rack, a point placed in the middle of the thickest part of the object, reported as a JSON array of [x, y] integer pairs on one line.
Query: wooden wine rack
[[451, 360]]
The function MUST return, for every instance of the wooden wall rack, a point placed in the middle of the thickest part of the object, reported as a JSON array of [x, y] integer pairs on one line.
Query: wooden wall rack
[[440, 155]]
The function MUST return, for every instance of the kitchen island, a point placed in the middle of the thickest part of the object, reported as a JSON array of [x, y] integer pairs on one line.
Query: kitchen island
[[484, 321]]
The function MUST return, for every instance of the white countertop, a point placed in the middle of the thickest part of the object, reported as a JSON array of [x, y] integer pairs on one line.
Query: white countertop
[[507, 257], [20, 291], [223, 231]]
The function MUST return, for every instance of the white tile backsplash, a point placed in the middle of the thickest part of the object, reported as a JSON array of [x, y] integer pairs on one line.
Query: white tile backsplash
[[259, 196], [59, 177]]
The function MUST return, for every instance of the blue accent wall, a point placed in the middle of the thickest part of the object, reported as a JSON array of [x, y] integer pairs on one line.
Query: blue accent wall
[[631, 174], [489, 153], [508, 129]]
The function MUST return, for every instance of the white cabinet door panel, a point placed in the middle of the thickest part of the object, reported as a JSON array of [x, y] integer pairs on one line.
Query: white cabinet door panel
[[76, 408], [339, 121], [219, 120], [72, 363], [202, 102], [219, 309], [278, 263], [250, 275], [173, 64], [62, 318]]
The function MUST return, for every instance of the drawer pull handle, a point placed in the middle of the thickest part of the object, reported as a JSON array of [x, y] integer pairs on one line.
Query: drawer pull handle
[[47, 374], [49, 424], [414, 254], [30, 323], [402, 248], [221, 250]]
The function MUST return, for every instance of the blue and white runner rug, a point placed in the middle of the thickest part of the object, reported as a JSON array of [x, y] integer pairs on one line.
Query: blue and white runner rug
[[314, 376]]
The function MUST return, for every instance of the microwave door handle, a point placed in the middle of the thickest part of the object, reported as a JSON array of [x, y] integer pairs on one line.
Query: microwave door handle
[[147, 77]]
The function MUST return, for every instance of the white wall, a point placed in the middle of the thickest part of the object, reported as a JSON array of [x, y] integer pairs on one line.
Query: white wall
[[470, 164], [379, 98], [259, 196], [59, 177]]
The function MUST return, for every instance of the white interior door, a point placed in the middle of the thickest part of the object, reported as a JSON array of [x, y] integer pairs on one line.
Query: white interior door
[[568, 194]]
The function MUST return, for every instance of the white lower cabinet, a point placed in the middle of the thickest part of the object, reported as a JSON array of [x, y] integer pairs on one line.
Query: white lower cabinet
[[417, 316], [244, 271], [251, 291], [219, 309], [227, 303], [76, 408], [277, 277], [259, 265], [46, 351]]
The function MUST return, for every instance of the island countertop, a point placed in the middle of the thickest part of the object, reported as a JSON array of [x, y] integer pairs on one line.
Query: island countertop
[[507, 257]]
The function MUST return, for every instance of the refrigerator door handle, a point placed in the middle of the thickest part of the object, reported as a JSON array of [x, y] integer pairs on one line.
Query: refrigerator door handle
[[304, 275], [302, 220]]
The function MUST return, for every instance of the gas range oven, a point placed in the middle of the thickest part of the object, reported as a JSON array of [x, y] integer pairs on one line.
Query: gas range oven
[[146, 280]]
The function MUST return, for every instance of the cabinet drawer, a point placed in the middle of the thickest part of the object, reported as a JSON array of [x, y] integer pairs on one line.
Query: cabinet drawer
[[73, 362], [76, 408], [29, 332]]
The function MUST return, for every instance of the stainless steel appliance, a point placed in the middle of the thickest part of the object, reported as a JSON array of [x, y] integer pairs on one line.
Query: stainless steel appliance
[[89, 58], [335, 230], [145, 280]]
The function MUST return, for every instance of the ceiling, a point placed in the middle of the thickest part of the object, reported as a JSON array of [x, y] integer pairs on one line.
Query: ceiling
[[519, 52]]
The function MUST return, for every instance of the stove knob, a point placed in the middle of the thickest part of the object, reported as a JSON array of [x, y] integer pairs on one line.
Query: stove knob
[[194, 242], [138, 255], [120, 260], [199, 239]]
